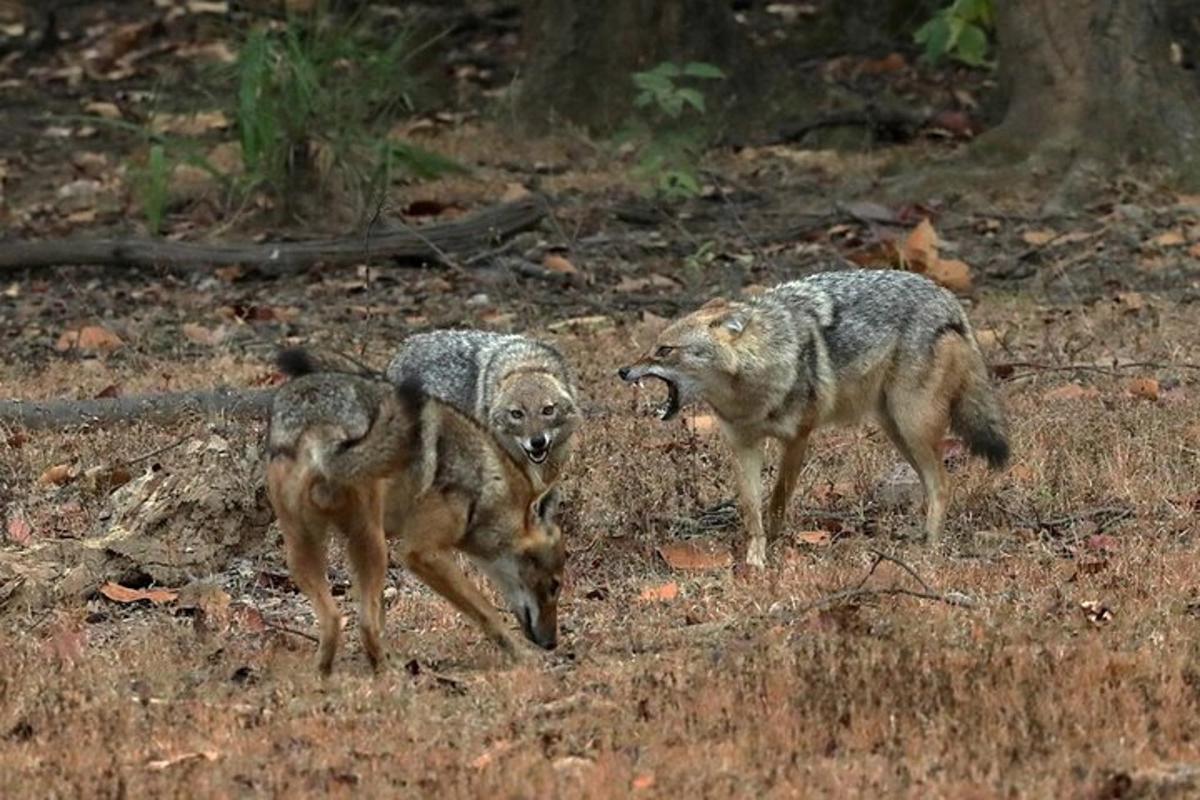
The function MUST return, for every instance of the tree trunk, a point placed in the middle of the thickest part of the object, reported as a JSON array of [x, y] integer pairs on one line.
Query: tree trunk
[[581, 54], [1092, 82]]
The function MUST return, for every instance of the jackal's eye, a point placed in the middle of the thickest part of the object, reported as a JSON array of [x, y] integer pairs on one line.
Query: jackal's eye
[[548, 410], [516, 414], [664, 351]]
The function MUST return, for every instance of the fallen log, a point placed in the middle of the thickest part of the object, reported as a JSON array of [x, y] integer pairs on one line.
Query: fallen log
[[40, 415], [431, 242]]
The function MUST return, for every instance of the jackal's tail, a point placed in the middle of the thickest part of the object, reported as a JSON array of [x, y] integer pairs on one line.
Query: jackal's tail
[[975, 414], [296, 361]]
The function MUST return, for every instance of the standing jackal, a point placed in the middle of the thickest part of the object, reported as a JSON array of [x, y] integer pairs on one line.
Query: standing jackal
[[519, 387], [367, 458], [831, 348]]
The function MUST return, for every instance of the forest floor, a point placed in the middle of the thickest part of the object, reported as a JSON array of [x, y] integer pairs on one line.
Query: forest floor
[[1062, 658]]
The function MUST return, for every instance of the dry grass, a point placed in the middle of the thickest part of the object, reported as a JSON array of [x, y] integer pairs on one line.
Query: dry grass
[[727, 690]]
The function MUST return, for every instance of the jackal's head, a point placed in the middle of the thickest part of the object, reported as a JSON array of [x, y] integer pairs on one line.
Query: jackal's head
[[534, 411], [529, 575], [691, 354]]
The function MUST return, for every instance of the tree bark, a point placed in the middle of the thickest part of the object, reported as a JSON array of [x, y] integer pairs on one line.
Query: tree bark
[[581, 54], [433, 242], [1091, 82]]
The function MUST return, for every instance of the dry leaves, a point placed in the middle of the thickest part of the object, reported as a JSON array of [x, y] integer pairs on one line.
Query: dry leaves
[[1071, 391], [1039, 238], [202, 335], [123, 594], [59, 475], [918, 253], [18, 529], [89, 339], [199, 755], [559, 264], [695, 555], [662, 593], [1096, 612], [815, 538], [1144, 389]]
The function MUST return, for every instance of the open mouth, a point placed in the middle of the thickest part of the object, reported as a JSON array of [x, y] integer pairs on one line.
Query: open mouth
[[537, 456], [670, 407]]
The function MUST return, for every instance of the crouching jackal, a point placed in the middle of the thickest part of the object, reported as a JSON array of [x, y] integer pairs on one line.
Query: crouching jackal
[[368, 458], [831, 348]]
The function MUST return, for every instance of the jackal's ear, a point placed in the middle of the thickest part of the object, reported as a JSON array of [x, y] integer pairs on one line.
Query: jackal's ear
[[545, 506], [734, 321]]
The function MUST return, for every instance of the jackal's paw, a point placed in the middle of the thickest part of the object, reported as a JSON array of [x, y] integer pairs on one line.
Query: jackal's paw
[[756, 553]]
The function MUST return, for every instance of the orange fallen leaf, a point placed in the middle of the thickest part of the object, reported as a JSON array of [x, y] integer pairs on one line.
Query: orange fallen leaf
[[1131, 301], [695, 555], [664, 592], [1072, 391], [1144, 388], [559, 264], [19, 530], [485, 758], [1038, 238], [1022, 473], [89, 338], [643, 782], [1171, 238], [513, 192], [955, 275], [920, 248], [202, 335], [123, 594], [817, 538], [58, 475]]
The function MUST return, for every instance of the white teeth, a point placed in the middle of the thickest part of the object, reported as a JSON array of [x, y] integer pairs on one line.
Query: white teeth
[[638, 384], [662, 411]]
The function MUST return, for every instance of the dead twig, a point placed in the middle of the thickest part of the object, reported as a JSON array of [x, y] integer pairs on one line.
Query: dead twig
[[279, 626]]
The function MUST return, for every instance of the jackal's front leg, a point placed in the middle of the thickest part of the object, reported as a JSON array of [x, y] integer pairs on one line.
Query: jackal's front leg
[[749, 460], [785, 485]]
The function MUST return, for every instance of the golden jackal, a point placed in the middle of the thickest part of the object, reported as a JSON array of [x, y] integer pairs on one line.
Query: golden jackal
[[831, 348], [367, 458]]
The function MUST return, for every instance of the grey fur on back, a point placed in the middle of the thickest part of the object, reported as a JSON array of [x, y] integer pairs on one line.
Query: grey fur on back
[[463, 367], [863, 313]]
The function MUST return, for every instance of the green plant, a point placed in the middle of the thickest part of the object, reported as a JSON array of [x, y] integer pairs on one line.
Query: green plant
[[669, 130], [314, 104], [150, 184], [960, 31]]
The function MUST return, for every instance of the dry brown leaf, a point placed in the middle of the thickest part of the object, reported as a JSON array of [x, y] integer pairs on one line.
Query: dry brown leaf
[[58, 475], [1072, 391], [202, 335], [513, 192], [123, 594], [559, 264], [101, 480], [643, 782], [955, 275], [101, 108], [702, 423], [1022, 473], [485, 759], [695, 555], [1132, 301], [817, 538], [18, 529], [89, 339], [1038, 238], [196, 124], [920, 248], [1171, 238], [163, 763], [662, 593], [1144, 388]]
